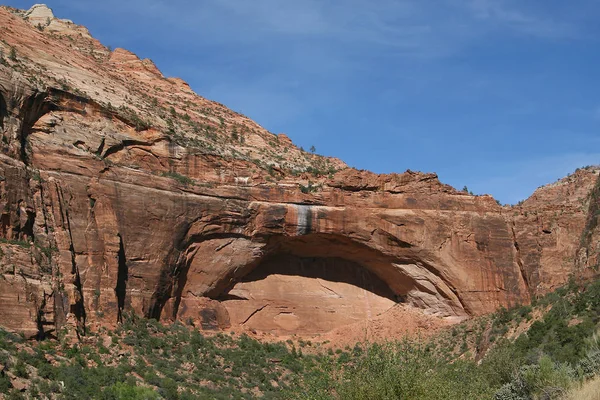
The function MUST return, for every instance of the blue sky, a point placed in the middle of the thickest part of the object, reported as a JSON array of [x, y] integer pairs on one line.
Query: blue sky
[[500, 95]]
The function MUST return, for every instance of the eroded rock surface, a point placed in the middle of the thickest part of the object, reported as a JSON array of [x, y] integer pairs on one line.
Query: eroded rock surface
[[123, 191]]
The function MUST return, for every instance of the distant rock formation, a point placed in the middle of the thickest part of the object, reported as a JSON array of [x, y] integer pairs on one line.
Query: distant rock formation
[[42, 17]]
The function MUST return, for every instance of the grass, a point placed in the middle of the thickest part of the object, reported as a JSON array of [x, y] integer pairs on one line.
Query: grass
[[588, 391], [20, 243]]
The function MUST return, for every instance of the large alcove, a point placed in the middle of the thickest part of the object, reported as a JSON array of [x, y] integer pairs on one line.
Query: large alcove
[[315, 283], [307, 295]]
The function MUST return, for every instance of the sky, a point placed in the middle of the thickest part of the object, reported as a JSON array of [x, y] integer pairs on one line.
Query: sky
[[501, 96]]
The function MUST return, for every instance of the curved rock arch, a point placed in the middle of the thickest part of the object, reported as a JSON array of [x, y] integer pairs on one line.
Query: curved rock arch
[[417, 254], [408, 276], [213, 263]]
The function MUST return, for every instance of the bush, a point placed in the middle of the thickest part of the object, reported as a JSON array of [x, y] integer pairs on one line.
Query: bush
[[184, 180], [5, 385], [501, 363], [408, 370], [543, 380], [310, 188], [126, 391], [20, 369]]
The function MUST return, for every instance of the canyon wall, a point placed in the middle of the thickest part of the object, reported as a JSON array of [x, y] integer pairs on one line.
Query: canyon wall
[[123, 191]]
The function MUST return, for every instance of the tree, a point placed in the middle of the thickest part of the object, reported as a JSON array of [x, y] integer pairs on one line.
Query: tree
[[13, 54], [465, 189], [313, 149]]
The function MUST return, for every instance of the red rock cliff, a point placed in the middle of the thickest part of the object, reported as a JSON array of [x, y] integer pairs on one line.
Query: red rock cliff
[[122, 190]]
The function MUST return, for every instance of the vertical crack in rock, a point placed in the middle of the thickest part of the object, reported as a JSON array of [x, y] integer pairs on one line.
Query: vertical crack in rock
[[58, 306], [44, 210], [3, 112], [78, 308], [45, 318], [180, 276], [159, 297], [520, 260], [40, 319], [122, 277], [164, 286]]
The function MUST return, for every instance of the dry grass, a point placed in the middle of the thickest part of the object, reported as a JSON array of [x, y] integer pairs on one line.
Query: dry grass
[[588, 391]]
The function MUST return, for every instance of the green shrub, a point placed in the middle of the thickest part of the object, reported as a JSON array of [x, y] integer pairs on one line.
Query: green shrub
[[126, 391], [20, 369], [546, 380], [5, 385], [182, 179], [408, 370]]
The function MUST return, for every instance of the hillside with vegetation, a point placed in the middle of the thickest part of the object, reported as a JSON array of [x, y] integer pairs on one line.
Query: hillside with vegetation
[[549, 350]]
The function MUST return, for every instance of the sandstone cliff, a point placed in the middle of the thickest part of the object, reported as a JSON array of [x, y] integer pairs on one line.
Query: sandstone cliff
[[124, 191]]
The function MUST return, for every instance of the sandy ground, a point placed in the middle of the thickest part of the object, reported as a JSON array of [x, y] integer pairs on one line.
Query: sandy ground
[[398, 322]]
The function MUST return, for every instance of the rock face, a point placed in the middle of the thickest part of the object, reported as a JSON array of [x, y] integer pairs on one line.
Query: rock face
[[42, 17], [123, 191]]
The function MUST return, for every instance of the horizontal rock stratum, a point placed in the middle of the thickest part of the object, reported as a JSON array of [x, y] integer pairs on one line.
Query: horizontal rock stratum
[[121, 190]]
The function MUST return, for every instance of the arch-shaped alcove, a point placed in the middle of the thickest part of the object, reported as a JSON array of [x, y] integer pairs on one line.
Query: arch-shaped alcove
[[314, 283]]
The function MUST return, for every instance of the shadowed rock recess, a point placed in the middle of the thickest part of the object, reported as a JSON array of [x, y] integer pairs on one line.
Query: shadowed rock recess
[[123, 191]]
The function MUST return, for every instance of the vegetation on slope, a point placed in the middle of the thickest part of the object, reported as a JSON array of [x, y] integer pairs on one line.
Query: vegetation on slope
[[557, 351]]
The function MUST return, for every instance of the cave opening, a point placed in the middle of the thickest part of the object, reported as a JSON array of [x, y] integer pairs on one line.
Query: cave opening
[[308, 284], [313, 284], [292, 293]]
